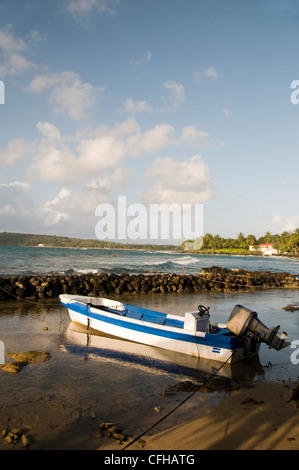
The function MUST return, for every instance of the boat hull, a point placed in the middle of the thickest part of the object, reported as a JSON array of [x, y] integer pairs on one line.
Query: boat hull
[[219, 347]]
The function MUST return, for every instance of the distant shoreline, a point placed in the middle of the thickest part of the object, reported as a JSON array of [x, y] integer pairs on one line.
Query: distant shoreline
[[160, 249], [13, 239]]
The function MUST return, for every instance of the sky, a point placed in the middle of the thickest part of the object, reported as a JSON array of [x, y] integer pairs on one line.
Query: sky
[[186, 102]]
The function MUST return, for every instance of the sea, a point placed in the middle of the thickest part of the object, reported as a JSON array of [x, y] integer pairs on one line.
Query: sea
[[67, 261], [93, 378]]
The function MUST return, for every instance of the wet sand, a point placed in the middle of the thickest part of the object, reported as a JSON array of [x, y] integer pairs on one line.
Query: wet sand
[[260, 417], [257, 418], [62, 402]]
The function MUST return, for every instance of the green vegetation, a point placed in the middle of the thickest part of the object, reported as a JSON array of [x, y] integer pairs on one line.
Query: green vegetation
[[286, 243], [26, 239]]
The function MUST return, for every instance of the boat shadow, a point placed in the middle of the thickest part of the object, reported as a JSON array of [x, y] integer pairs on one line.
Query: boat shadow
[[100, 346]]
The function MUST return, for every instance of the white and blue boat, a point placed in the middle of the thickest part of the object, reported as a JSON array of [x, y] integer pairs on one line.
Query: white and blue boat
[[191, 334]]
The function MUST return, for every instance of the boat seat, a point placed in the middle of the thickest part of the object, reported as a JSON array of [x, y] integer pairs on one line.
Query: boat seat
[[108, 309], [154, 319], [174, 322], [134, 315]]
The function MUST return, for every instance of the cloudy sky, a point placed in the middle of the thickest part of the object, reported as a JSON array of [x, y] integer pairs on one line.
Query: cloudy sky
[[161, 101]]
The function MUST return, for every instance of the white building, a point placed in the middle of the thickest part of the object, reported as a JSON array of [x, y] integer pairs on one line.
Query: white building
[[266, 248]]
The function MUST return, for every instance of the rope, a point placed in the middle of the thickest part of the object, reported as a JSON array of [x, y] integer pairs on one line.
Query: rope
[[174, 409], [179, 405], [26, 300]]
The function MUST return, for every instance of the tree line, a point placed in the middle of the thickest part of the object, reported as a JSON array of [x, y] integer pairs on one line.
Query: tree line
[[26, 239], [286, 242]]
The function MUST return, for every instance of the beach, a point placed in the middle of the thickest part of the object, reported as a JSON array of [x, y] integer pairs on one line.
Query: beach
[[63, 387], [257, 417], [260, 417], [96, 392]]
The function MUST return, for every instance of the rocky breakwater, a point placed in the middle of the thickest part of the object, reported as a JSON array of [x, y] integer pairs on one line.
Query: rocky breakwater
[[209, 279]]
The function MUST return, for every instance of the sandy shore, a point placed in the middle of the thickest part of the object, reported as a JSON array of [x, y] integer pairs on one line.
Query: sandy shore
[[60, 403], [263, 417]]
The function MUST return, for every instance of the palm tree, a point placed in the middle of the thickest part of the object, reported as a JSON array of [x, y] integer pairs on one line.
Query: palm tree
[[251, 240], [268, 237], [294, 240], [241, 240], [207, 240]]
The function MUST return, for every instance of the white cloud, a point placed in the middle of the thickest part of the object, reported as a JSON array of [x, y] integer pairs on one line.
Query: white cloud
[[9, 42], [16, 199], [151, 140], [15, 150], [176, 91], [69, 159], [178, 181], [291, 223], [12, 54], [49, 131], [53, 159], [135, 107], [193, 136], [73, 205], [174, 99], [79, 7], [67, 92], [146, 58], [210, 72], [36, 36], [278, 223]]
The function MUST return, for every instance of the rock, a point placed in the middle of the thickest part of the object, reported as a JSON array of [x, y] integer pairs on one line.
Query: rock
[[9, 439], [12, 367], [24, 358], [30, 357], [209, 279], [118, 436], [15, 435], [25, 441], [291, 308]]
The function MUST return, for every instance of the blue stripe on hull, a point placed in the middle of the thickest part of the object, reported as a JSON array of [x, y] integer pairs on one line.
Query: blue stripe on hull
[[210, 339]]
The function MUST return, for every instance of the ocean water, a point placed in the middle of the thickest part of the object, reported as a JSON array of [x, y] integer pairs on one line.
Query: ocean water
[[42, 260]]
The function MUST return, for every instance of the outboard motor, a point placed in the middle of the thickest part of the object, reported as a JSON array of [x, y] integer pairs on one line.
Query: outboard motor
[[243, 322]]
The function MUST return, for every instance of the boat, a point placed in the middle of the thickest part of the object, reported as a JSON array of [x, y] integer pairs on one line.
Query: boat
[[191, 333], [106, 348]]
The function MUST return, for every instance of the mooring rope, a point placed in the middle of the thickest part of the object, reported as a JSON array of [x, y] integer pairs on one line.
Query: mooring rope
[[26, 300], [179, 405], [176, 407]]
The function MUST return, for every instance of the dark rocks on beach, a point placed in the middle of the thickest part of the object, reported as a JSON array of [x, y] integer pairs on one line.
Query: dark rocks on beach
[[209, 279], [21, 359]]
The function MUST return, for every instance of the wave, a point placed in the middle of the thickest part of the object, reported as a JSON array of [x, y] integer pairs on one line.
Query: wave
[[186, 261]]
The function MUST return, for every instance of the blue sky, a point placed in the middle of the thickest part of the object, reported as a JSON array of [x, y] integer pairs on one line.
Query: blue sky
[[161, 101]]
